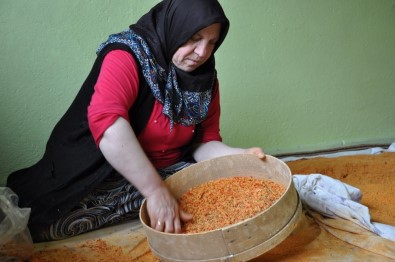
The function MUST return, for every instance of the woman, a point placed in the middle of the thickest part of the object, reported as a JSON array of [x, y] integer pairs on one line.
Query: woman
[[149, 108]]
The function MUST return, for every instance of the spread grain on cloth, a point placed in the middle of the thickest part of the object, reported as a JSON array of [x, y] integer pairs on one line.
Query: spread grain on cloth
[[226, 201]]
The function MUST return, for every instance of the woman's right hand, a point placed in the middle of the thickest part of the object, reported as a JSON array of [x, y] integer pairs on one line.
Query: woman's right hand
[[118, 145], [164, 211]]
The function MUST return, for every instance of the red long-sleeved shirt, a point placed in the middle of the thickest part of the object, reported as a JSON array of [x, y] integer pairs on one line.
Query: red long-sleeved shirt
[[116, 91]]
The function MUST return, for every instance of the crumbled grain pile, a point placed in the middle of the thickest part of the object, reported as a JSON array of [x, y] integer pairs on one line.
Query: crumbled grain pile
[[226, 201]]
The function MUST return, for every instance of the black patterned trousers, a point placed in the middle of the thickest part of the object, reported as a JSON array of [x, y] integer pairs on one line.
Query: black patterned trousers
[[113, 201]]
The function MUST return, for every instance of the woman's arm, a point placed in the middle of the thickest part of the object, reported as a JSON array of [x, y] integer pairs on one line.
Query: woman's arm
[[115, 92], [209, 139], [122, 150], [214, 149]]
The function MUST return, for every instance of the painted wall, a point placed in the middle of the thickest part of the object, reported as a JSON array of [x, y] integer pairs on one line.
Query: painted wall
[[295, 75]]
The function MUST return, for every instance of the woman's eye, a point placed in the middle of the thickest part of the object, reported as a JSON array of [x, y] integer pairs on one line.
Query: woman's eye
[[195, 39]]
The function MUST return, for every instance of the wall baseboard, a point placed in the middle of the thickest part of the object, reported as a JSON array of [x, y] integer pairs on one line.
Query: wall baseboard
[[335, 148]]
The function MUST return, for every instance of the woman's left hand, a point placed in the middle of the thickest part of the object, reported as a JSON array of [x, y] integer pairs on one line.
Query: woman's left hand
[[213, 149], [256, 151]]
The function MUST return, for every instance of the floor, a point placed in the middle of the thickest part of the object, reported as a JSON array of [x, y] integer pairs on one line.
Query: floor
[[373, 174]]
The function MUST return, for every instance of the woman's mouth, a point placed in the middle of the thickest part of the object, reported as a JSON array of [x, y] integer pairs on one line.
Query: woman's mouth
[[194, 62]]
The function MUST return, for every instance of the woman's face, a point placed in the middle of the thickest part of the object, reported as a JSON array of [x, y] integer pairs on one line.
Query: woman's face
[[197, 49]]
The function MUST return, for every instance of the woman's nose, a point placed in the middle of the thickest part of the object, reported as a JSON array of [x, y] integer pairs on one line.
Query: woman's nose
[[202, 50]]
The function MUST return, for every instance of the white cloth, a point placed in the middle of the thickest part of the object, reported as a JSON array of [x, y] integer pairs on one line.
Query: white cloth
[[332, 198]]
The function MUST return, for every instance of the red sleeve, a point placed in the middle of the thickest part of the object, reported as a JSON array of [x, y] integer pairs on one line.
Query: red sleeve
[[115, 92], [209, 129]]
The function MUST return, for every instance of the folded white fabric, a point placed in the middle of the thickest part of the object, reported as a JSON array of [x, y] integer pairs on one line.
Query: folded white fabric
[[332, 198]]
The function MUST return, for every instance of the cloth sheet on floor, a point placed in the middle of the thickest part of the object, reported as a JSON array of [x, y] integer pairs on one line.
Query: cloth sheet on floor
[[336, 207], [330, 236]]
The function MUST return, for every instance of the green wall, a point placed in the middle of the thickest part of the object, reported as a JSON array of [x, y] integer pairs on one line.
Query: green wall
[[294, 75]]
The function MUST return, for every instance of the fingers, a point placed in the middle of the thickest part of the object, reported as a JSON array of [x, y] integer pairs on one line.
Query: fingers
[[169, 228], [256, 151], [261, 155], [165, 214], [185, 217], [172, 225], [159, 225], [177, 226]]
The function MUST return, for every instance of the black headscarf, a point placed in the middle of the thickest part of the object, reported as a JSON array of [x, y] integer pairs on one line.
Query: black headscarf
[[156, 37], [172, 23]]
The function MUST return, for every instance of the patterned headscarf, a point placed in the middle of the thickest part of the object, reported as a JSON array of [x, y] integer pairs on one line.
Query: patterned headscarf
[[154, 39]]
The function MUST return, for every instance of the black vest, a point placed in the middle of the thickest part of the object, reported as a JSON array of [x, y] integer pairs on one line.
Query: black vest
[[72, 164]]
